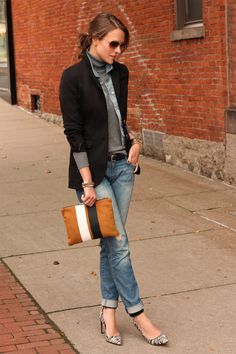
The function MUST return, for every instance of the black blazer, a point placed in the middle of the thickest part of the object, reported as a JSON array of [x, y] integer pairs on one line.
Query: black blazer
[[85, 117]]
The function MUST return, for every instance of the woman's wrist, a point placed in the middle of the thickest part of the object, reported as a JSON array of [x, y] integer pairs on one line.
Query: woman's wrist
[[136, 138], [136, 142]]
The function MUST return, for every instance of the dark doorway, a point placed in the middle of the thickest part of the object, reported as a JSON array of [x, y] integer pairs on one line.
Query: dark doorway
[[7, 63]]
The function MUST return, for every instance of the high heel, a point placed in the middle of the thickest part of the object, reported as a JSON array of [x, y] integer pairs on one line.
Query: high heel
[[110, 339], [160, 340]]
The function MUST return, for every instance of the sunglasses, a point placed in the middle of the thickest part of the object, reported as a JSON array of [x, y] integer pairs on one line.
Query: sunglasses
[[115, 44]]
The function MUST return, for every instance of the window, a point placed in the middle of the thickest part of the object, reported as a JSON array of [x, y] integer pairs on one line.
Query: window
[[188, 12], [189, 20]]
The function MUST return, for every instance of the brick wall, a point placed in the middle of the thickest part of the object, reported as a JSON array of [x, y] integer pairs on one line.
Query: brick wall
[[178, 88], [45, 39], [182, 86]]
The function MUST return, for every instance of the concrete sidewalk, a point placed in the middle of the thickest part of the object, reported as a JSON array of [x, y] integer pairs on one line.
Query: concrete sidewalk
[[182, 231]]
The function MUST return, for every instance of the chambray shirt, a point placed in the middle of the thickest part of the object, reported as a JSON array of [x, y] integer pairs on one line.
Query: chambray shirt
[[108, 89]]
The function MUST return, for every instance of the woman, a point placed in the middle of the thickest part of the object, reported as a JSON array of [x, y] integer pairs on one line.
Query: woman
[[103, 159]]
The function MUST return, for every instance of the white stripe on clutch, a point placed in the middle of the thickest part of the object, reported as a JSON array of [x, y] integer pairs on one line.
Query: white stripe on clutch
[[82, 222]]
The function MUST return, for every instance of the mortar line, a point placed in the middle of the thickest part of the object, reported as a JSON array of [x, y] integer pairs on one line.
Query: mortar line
[[35, 179], [97, 245], [199, 289], [217, 222], [91, 306], [134, 200], [184, 194], [144, 298], [197, 211], [173, 235], [31, 213]]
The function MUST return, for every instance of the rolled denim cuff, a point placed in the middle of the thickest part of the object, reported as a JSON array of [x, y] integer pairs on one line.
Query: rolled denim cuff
[[135, 309], [109, 303]]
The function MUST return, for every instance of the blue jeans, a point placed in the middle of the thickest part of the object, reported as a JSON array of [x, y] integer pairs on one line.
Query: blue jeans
[[116, 272]]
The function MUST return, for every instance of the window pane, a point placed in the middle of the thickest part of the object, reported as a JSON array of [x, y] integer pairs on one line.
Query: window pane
[[3, 50], [193, 10], [4, 67], [2, 11]]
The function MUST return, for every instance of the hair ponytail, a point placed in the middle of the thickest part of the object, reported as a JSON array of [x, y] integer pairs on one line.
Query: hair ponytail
[[84, 44]]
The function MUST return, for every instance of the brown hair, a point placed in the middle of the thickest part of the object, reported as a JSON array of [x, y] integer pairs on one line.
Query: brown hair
[[99, 28]]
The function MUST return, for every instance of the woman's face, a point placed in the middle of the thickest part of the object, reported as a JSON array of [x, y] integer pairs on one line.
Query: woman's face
[[109, 47]]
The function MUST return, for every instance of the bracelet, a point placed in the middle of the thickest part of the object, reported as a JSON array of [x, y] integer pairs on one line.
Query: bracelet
[[87, 184]]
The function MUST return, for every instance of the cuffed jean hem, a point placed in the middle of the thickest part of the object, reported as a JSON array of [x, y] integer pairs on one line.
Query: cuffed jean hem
[[135, 310], [109, 303]]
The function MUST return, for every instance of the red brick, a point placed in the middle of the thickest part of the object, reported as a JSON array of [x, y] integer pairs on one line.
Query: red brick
[[5, 321], [5, 336], [25, 351], [7, 296], [45, 336], [35, 327], [57, 341], [24, 323], [54, 348], [47, 350], [24, 328], [34, 312], [67, 351], [33, 345], [51, 330], [7, 349], [25, 317], [22, 296], [41, 321], [29, 333], [14, 341]]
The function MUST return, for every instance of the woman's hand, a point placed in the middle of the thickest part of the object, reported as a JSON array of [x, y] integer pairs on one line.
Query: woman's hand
[[134, 153], [89, 196]]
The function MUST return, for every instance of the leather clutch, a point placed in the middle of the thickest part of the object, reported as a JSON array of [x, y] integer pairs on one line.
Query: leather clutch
[[84, 223]]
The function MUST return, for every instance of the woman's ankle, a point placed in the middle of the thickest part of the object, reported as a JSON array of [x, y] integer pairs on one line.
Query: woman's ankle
[[109, 310], [110, 321], [139, 318], [136, 314]]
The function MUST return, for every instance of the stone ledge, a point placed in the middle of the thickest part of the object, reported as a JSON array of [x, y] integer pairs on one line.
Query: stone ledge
[[188, 33]]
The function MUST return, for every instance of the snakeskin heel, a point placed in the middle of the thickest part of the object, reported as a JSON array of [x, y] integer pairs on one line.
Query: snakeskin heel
[[110, 339], [160, 340]]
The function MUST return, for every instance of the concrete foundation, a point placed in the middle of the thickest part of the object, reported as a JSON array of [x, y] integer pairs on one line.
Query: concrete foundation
[[230, 162], [50, 117], [202, 157]]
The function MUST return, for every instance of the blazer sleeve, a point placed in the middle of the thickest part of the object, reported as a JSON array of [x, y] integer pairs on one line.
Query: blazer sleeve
[[72, 118]]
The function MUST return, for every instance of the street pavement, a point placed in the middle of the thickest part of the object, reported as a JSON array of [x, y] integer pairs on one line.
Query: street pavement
[[182, 231]]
